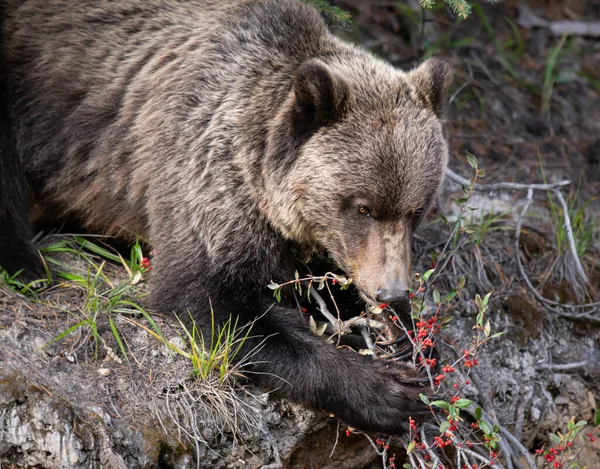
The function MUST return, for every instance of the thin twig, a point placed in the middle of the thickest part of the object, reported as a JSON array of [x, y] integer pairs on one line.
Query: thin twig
[[505, 185], [337, 438], [433, 456], [560, 367], [567, 226], [367, 337], [325, 311]]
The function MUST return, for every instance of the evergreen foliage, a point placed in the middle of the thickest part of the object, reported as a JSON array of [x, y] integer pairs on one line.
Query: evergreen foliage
[[332, 12]]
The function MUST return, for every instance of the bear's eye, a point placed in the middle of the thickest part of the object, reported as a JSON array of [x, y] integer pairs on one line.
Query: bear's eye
[[364, 210], [419, 212]]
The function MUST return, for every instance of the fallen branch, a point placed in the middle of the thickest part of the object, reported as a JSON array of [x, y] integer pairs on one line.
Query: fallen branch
[[506, 185], [567, 225], [545, 301], [560, 367], [530, 188], [529, 20]]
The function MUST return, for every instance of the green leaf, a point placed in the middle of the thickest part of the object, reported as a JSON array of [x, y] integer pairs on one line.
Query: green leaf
[[463, 403], [555, 438], [424, 399], [597, 416], [273, 286], [486, 299], [411, 446], [481, 173], [441, 404], [479, 320], [427, 274], [478, 413], [485, 427], [487, 328], [321, 329], [312, 325], [461, 282], [460, 200], [497, 334], [450, 296], [444, 426], [479, 303], [472, 161], [436, 296], [67, 332]]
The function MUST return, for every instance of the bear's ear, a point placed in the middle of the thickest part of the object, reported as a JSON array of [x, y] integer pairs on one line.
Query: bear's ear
[[319, 97], [431, 81]]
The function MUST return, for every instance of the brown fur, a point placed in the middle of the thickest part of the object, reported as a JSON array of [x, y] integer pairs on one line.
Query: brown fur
[[227, 132]]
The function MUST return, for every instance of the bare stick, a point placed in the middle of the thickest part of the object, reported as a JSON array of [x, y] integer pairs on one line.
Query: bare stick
[[547, 303], [505, 185], [367, 336], [567, 225], [529, 20], [477, 456], [337, 438], [520, 414], [433, 456], [361, 321], [560, 367], [325, 311]]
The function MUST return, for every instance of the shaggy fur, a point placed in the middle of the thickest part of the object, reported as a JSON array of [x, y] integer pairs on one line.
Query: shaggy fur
[[229, 133]]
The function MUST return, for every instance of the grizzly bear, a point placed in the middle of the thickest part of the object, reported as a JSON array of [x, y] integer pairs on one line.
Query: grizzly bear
[[230, 134]]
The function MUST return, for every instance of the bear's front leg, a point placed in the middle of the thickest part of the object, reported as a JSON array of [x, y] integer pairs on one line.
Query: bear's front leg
[[282, 355], [371, 395]]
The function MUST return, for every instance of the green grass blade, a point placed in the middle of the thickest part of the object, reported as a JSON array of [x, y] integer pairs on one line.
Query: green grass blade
[[65, 333], [115, 332]]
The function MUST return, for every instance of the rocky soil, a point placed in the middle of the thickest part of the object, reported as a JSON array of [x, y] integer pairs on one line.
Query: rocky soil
[[79, 403]]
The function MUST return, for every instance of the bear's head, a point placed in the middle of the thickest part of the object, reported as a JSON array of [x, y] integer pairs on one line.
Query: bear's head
[[356, 157]]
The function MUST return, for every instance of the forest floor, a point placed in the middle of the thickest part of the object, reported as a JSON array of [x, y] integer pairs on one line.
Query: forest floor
[[93, 374]]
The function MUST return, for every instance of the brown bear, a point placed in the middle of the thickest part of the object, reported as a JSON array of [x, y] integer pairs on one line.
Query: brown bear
[[229, 134]]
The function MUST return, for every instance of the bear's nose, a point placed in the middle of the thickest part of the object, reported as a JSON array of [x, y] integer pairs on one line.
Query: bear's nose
[[393, 294]]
